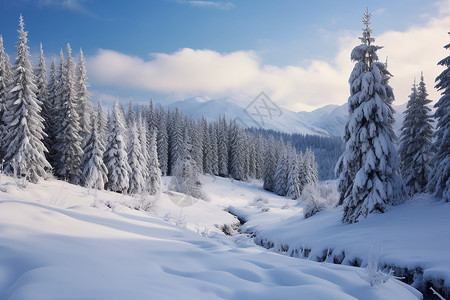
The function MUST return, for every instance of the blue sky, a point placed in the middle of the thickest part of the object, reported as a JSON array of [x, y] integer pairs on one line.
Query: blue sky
[[268, 41]]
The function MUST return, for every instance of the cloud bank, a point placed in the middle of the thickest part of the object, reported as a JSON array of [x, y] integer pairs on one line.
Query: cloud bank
[[190, 72]]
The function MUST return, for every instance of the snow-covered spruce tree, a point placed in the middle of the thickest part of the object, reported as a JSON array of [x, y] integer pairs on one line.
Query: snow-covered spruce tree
[[281, 173], [102, 123], [237, 153], [135, 160], [259, 157], [270, 164], [5, 80], [294, 188], [251, 150], [24, 149], [143, 140], [163, 143], [152, 117], [154, 173], [185, 174], [214, 131], [368, 175], [197, 145], [41, 78], [115, 157], [206, 164], [415, 142], [69, 141], [84, 106], [131, 116], [439, 180], [207, 151], [312, 173], [94, 169], [302, 171], [58, 110], [175, 134], [222, 154], [48, 113]]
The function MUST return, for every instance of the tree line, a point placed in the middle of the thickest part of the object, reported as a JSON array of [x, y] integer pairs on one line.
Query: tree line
[[49, 126]]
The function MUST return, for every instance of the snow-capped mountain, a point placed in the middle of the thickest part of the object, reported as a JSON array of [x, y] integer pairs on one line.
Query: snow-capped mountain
[[248, 114], [325, 121], [330, 118]]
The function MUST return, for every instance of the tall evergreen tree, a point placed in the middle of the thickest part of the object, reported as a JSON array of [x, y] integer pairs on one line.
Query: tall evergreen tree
[[94, 169], [312, 174], [369, 180], [23, 146], [82, 95], [142, 131], [115, 157], [152, 118], [259, 157], [237, 153], [163, 143], [415, 148], [214, 149], [205, 165], [270, 165], [102, 123], [48, 113], [281, 173], [131, 116], [69, 141], [175, 133], [302, 171], [439, 180], [294, 188], [135, 160], [222, 154], [41, 78], [5, 81], [154, 173], [198, 144], [207, 149]]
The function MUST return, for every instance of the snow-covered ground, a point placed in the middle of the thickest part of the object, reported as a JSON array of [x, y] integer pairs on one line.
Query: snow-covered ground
[[413, 236], [60, 241]]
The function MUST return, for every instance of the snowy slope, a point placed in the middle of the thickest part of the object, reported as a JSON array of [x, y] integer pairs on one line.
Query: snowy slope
[[414, 236], [60, 241], [232, 108]]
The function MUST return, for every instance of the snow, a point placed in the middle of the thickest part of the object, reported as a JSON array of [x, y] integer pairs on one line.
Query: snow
[[61, 241], [414, 234]]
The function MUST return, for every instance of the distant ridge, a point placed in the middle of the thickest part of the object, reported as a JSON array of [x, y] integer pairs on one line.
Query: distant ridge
[[325, 121]]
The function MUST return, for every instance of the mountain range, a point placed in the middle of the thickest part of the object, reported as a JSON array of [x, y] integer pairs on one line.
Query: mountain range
[[325, 121]]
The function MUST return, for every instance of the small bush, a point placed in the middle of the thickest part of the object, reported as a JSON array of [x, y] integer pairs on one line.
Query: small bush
[[373, 274], [147, 203], [318, 197], [260, 201]]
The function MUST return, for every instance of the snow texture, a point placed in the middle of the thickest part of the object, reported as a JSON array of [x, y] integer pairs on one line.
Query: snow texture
[[60, 242]]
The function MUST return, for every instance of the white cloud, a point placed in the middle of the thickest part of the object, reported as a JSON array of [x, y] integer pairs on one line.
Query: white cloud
[[189, 72], [212, 4], [73, 5]]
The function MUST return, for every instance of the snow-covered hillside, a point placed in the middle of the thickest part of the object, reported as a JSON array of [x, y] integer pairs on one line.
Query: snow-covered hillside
[[212, 109], [324, 121], [61, 241]]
